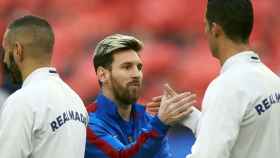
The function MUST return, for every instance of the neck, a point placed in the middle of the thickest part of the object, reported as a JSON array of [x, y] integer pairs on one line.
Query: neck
[[229, 48], [124, 110], [30, 65]]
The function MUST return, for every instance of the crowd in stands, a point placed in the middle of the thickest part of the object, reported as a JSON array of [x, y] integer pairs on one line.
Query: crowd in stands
[[175, 49]]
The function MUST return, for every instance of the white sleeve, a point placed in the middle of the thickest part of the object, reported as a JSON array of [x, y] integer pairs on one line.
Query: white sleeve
[[219, 124], [15, 129], [191, 121]]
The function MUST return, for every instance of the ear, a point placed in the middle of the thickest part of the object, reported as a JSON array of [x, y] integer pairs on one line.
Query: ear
[[18, 52], [216, 30], [102, 74]]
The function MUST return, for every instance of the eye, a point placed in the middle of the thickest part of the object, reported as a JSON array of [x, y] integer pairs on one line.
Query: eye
[[126, 66], [140, 67]]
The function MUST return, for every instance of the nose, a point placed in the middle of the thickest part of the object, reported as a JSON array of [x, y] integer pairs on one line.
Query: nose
[[136, 73]]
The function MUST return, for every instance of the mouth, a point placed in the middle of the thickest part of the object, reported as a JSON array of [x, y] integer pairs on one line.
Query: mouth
[[134, 84]]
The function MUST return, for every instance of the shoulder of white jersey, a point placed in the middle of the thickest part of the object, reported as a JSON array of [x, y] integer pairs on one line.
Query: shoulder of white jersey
[[16, 100]]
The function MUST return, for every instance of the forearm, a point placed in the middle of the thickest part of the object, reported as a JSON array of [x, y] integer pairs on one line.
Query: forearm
[[192, 120]]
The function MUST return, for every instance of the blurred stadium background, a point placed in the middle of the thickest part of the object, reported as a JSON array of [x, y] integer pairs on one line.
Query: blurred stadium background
[[176, 49]]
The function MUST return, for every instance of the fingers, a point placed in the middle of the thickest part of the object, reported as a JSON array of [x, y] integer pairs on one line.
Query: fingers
[[169, 90], [188, 100], [153, 110], [183, 114], [173, 106], [164, 96], [185, 105], [153, 104], [157, 99], [169, 103], [178, 97], [153, 107], [174, 109]]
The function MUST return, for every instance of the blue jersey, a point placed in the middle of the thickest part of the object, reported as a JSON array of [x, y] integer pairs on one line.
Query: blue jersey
[[109, 136]]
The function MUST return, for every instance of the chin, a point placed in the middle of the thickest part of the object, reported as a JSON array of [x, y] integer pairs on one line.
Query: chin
[[133, 98]]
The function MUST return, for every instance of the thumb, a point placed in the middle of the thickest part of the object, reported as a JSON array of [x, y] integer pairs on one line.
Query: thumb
[[165, 96]]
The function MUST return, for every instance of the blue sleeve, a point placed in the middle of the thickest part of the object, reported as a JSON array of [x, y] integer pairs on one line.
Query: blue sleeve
[[101, 144], [164, 150]]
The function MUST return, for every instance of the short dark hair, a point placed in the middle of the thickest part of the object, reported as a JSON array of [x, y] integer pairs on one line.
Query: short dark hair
[[235, 17], [43, 36], [105, 49]]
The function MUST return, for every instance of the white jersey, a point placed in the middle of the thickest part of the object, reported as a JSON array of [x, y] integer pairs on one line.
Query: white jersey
[[3, 96], [43, 119], [240, 112]]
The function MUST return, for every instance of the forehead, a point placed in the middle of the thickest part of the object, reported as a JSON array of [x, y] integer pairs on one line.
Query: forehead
[[126, 56]]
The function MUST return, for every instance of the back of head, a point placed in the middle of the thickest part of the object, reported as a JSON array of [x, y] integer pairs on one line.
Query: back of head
[[234, 16], [33, 33]]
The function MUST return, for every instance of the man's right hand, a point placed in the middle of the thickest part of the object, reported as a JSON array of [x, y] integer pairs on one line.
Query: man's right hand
[[175, 107]]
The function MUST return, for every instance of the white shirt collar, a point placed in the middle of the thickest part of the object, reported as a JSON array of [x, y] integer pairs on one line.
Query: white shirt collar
[[246, 56], [38, 74]]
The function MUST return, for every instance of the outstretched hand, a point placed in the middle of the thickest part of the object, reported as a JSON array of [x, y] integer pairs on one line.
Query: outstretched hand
[[174, 107], [153, 106]]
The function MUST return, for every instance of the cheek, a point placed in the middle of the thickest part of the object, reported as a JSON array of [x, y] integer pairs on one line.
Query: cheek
[[119, 78], [210, 39], [6, 59], [141, 76]]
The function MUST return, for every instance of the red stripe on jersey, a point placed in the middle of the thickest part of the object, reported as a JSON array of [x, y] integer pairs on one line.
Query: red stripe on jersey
[[91, 107], [113, 153]]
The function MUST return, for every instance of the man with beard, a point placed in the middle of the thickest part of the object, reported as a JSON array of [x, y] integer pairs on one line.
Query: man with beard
[[118, 126], [45, 117]]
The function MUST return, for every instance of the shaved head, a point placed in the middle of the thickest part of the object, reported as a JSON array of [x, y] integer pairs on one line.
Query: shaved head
[[28, 44], [33, 33]]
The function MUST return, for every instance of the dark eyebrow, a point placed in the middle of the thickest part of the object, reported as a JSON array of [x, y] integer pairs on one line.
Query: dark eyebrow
[[128, 62]]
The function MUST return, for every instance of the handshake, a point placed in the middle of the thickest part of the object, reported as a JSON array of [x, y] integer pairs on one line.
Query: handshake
[[172, 107]]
